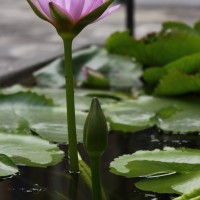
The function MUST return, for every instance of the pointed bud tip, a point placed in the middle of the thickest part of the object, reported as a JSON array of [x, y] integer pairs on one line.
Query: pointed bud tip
[[95, 130]]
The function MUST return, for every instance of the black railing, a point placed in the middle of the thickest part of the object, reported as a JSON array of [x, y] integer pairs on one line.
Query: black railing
[[130, 15]]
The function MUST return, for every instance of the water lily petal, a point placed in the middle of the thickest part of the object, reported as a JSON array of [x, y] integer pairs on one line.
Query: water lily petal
[[59, 2], [96, 4], [108, 11], [76, 8], [62, 10], [45, 7], [67, 4], [87, 7], [38, 10]]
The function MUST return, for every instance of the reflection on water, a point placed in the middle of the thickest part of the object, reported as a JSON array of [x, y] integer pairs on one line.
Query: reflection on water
[[55, 183]]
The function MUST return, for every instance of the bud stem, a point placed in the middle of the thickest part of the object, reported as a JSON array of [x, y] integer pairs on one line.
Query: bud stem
[[96, 179], [71, 122]]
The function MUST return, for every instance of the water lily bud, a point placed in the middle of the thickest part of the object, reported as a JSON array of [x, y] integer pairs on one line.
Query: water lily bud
[[94, 79], [95, 130]]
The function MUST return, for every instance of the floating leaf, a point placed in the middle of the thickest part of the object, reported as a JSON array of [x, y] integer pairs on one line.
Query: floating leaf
[[167, 171], [7, 166], [58, 96], [32, 113], [52, 125], [169, 114], [117, 71], [122, 72], [23, 99], [178, 183], [29, 150], [193, 195], [156, 162], [52, 75]]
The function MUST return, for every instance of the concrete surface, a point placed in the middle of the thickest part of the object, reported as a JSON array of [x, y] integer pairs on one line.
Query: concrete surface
[[26, 40]]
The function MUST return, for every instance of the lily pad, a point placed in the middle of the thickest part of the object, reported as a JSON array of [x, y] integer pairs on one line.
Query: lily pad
[[194, 195], [166, 171], [49, 123], [29, 150], [25, 98], [7, 166], [119, 72], [179, 183], [57, 96], [169, 114], [52, 125], [156, 162], [53, 75]]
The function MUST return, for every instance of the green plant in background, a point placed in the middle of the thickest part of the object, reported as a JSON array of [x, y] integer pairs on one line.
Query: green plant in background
[[166, 59], [69, 17], [95, 142], [158, 49]]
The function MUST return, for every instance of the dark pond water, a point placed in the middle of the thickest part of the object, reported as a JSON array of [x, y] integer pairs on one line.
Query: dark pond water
[[55, 183]]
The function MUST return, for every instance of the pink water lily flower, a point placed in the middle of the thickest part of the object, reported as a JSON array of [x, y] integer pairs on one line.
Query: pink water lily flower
[[72, 15]]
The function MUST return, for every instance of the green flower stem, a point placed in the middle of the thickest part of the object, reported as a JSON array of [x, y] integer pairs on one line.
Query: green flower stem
[[73, 186], [71, 121], [96, 178]]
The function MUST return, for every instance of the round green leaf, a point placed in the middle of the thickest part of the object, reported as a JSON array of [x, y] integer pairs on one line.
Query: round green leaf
[[7, 166], [29, 150]]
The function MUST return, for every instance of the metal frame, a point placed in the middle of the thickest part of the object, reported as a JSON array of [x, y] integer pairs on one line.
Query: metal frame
[[130, 16]]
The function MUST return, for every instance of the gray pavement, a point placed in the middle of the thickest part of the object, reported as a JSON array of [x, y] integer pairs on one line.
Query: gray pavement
[[168, 3], [26, 40]]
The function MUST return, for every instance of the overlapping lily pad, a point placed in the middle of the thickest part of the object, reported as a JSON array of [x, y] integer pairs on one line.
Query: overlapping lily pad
[[35, 113], [179, 183], [167, 171], [26, 150], [43, 111], [169, 114]]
